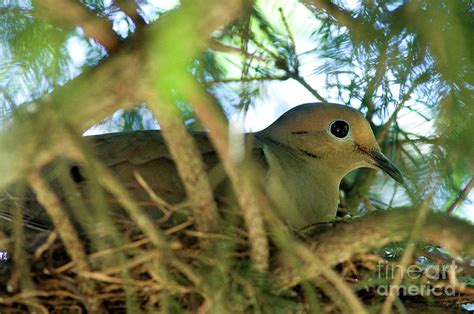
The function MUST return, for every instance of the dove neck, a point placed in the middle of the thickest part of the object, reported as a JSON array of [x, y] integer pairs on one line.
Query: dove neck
[[304, 190]]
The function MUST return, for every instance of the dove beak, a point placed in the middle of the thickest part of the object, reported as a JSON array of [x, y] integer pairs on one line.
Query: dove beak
[[383, 163]]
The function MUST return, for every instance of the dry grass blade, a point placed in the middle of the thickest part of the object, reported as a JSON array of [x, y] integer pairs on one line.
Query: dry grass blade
[[190, 166], [246, 191], [137, 214], [69, 236], [313, 262]]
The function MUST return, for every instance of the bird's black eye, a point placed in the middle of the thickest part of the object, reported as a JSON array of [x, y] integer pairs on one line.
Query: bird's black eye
[[76, 174], [339, 128]]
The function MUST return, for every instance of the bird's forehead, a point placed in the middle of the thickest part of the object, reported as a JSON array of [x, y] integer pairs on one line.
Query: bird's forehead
[[318, 116]]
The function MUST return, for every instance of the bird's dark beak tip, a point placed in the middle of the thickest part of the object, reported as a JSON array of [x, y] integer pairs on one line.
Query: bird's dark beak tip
[[399, 178], [394, 172], [388, 167], [383, 163]]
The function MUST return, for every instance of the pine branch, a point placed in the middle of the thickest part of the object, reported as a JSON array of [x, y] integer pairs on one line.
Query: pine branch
[[378, 229]]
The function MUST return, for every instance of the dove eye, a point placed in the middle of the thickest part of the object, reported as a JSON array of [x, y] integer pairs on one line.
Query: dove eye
[[339, 129]]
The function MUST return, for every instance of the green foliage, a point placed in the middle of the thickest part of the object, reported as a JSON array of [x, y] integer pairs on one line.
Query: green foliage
[[407, 65]]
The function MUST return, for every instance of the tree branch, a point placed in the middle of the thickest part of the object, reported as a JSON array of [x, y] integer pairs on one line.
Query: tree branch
[[209, 113], [380, 228]]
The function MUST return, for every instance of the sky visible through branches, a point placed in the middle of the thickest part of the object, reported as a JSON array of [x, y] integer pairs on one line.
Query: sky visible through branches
[[274, 96]]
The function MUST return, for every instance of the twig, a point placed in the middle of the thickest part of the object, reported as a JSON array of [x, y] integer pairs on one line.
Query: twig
[[45, 246], [294, 72], [384, 130], [462, 196], [38, 293], [144, 222], [303, 82], [96, 255], [296, 62], [247, 79], [215, 45], [375, 81], [158, 201]]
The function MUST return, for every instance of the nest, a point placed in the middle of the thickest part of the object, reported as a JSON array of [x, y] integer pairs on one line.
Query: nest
[[191, 272]]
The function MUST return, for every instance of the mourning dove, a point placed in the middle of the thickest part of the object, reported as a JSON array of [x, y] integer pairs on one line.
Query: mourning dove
[[305, 153], [309, 150]]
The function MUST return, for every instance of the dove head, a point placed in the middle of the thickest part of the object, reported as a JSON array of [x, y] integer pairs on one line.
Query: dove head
[[333, 136]]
